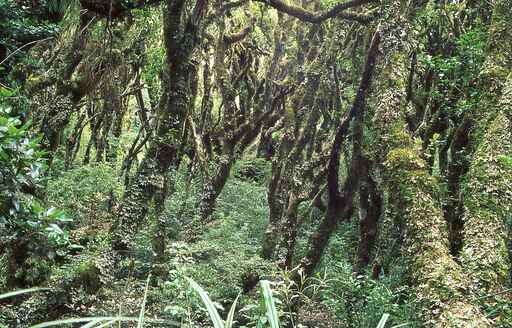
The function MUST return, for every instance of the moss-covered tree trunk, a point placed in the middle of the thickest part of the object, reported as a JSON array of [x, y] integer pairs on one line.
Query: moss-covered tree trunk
[[181, 38], [214, 184], [58, 95], [436, 277], [340, 199], [487, 191], [487, 206], [283, 191]]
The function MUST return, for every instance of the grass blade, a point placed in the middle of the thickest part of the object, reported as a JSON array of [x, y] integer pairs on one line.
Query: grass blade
[[91, 324], [273, 318], [383, 320], [70, 321], [22, 291], [210, 307], [81, 320], [140, 323], [106, 324], [231, 314]]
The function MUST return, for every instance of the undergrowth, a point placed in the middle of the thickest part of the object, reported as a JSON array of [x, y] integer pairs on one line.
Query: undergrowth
[[225, 260]]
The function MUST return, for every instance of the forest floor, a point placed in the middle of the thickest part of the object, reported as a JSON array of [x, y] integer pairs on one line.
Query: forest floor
[[224, 259]]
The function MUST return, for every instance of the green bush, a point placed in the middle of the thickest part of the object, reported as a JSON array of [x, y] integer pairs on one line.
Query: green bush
[[360, 301], [87, 193], [31, 232], [255, 169]]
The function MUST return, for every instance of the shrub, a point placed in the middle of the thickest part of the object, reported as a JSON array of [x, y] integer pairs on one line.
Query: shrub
[[256, 169], [88, 193], [31, 232]]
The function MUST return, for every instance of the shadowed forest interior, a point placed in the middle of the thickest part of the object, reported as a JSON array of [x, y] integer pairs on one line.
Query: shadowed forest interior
[[256, 163]]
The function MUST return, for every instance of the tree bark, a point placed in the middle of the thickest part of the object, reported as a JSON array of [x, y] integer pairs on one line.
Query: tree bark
[[339, 205], [339, 10], [457, 167], [180, 38], [437, 279], [487, 192], [370, 207], [488, 204]]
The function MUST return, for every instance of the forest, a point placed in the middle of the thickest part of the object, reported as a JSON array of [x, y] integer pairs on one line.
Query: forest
[[256, 163]]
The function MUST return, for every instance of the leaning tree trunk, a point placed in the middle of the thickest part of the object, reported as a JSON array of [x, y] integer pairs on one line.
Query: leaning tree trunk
[[487, 192], [109, 105], [456, 168], [73, 141], [275, 198], [214, 184], [289, 154], [119, 107], [435, 276], [61, 92], [295, 180], [487, 206], [233, 131], [340, 200]]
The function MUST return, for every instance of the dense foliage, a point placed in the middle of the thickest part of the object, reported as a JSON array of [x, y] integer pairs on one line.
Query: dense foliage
[[263, 163]]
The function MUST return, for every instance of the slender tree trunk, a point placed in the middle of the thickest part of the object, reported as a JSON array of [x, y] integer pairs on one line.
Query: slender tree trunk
[[457, 167], [214, 184], [119, 106], [340, 202], [73, 141], [232, 131], [370, 206], [289, 235], [96, 123], [276, 195], [106, 125]]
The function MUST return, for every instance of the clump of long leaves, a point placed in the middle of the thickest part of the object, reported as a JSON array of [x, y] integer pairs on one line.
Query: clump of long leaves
[[268, 300], [99, 322]]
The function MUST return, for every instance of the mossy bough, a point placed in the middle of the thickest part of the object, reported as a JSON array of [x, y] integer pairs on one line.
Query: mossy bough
[[436, 278]]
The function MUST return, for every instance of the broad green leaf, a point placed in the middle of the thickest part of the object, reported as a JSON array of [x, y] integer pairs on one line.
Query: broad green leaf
[[270, 306], [140, 323], [210, 307], [22, 291], [383, 320], [231, 314]]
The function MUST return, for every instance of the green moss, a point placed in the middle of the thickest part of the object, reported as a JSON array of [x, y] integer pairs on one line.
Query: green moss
[[88, 276], [414, 203], [487, 204], [506, 162]]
